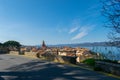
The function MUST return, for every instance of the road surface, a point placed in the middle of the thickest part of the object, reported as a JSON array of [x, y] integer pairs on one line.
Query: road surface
[[21, 68]]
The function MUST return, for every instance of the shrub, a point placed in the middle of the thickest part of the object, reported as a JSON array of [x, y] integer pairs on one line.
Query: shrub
[[48, 56], [21, 53], [69, 59], [89, 61]]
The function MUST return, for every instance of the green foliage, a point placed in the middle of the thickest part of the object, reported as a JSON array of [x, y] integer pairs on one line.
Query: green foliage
[[21, 53], [9, 45], [3, 49], [89, 61], [48, 56], [12, 44], [69, 59], [0, 44]]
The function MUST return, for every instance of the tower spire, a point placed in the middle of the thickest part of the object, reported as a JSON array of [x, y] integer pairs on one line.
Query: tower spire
[[44, 45]]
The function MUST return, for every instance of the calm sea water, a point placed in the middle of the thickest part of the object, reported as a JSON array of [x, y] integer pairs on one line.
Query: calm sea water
[[112, 53]]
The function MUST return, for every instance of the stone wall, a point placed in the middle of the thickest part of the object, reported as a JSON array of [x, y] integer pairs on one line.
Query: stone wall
[[49, 56], [57, 58], [14, 52], [109, 67], [30, 54]]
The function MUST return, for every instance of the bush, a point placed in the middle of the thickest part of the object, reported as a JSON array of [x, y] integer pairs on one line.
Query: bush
[[69, 59], [89, 61], [48, 56], [21, 53]]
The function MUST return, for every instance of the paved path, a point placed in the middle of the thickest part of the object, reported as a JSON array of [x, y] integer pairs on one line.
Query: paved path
[[21, 68]]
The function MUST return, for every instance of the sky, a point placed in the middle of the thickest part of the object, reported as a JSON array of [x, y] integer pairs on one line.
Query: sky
[[54, 21]]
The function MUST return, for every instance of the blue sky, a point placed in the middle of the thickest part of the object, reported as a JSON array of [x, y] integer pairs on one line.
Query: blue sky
[[55, 21]]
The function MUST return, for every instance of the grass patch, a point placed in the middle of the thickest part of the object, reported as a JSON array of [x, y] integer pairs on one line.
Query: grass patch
[[90, 62]]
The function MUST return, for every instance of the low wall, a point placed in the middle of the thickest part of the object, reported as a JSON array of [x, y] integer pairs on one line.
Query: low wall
[[49, 56], [52, 57], [61, 59], [30, 54], [14, 52], [109, 67]]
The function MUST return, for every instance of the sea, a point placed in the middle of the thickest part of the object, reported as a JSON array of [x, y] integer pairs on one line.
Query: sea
[[110, 52]]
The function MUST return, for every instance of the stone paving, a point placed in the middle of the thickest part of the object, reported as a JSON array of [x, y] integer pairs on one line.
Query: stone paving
[[22, 68]]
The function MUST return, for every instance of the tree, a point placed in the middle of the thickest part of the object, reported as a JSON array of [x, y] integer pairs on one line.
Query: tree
[[1, 46], [111, 11], [12, 45], [3, 49]]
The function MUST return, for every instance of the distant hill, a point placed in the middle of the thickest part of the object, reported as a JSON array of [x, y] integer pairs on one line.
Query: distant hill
[[81, 44]]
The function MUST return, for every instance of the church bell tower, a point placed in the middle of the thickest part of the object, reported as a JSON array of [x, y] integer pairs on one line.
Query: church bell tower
[[44, 45]]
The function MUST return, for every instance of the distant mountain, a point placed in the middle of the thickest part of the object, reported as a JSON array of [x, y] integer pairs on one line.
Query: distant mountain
[[81, 44]]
